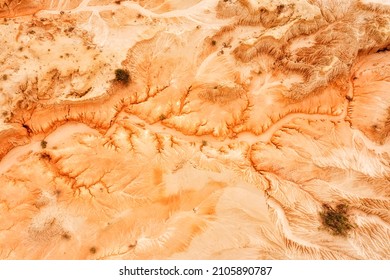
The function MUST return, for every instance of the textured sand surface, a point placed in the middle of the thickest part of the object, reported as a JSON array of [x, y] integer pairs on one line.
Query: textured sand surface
[[241, 121]]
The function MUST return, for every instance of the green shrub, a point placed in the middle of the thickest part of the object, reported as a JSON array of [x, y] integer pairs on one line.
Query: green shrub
[[43, 144], [336, 219], [122, 76]]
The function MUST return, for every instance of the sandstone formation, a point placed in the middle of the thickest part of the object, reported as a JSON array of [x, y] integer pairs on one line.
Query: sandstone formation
[[239, 129]]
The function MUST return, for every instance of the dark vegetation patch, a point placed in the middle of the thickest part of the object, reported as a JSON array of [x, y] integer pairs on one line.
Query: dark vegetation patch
[[336, 220], [92, 250], [43, 144], [122, 76], [66, 236]]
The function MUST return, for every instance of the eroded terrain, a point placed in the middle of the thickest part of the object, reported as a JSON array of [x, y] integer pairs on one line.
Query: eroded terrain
[[242, 122]]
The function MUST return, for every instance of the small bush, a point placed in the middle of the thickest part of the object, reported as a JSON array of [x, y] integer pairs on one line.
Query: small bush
[[122, 76], [43, 144], [336, 220], [66, 236], [162, 117]]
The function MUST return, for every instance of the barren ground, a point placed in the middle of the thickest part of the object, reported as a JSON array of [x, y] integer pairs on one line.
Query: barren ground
[[242, 120]]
